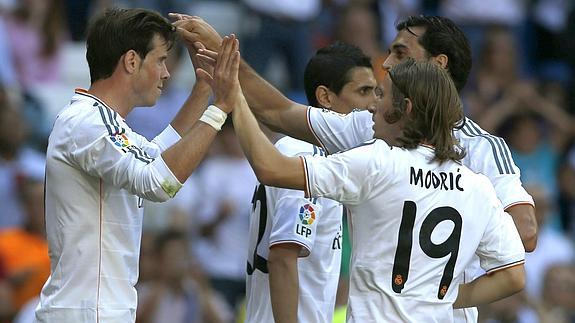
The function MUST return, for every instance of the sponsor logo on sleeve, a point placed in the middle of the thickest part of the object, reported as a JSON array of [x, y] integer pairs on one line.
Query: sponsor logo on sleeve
[[307, 216], [121, 141]]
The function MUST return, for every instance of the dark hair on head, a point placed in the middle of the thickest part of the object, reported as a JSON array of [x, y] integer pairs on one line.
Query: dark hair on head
[[330, 67], [116, 31], [442, 36], [435, 107]]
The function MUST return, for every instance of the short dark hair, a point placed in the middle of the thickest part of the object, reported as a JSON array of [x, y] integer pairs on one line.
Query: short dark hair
[[116, 31], [442, 36], [330, 66], [436, 107]]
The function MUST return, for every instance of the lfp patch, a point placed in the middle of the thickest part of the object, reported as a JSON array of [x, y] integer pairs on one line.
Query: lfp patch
[[120, 140], [307, 214]]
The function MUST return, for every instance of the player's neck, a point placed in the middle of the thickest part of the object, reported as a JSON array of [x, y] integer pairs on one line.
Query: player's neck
[[113, 95]]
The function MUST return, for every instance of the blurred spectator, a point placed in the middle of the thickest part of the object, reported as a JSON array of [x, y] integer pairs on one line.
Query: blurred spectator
[[162, 6], [391, 12], [279, 27], [549, 19], [568, 46], [179, 293], [475, 16], [35, 30], [16, 162], [567, 191], [496, 74], [557, 302], [358, 26], [553, 247], [8, 78], [513, 309], [222, 221], [24, 251], [6, 307], [534, 123]]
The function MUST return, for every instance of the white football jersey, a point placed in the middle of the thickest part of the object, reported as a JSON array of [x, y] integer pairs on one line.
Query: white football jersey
[[286, 216], [485, 154], [415, 226], [98, 171]]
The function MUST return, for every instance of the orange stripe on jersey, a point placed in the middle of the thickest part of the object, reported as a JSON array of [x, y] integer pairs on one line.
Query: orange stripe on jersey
[[100, 249]]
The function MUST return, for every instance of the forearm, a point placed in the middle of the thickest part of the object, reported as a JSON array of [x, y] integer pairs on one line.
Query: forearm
[[192, 109], [284, 283], [272, 108], [490, 288], [524, 218], [183, 157], [270, 166]]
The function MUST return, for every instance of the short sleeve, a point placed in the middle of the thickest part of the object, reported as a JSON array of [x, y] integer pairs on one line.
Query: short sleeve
[[489, 155], [294, 216], [339, 132], [345, 177], [294, 219], [500, 247]]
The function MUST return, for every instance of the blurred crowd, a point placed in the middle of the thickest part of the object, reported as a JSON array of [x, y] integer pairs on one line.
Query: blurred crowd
[[194, 248]]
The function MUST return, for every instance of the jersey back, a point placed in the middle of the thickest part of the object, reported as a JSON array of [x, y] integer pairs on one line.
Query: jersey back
[[286, 216], [416, 225]]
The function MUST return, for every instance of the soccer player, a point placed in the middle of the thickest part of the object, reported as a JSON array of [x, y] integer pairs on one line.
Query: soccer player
[[98, 170], [434, 39], [409, 186], [285, 225]]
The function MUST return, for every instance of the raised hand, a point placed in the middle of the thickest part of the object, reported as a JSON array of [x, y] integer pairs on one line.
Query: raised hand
[[224, 79], [196, 29]]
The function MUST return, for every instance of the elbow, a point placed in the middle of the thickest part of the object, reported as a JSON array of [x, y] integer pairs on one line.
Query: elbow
[[529, 237], [530, 242]]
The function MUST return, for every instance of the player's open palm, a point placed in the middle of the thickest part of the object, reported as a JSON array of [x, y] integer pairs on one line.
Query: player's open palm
[[224, 79]]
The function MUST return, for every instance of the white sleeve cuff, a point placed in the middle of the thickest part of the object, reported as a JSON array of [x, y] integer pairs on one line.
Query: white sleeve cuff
[[167, 138]]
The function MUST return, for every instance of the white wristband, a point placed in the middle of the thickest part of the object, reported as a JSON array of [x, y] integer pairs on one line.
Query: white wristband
[[214, 116]]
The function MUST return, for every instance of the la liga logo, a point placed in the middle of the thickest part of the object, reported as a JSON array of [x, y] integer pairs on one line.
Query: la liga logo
[[120, 140], [307, 214]]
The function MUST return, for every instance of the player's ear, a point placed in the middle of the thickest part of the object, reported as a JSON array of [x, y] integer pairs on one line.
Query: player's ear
[[441, 60], [322, 96], [408, 106], [130, 61]]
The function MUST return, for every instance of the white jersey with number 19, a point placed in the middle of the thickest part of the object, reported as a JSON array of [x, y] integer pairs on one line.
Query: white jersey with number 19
[[415, 224], [485, 154], [286, 216]]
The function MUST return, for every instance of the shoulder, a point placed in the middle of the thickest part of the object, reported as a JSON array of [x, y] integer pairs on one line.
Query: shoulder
[[293, 147], [330, 115], [484, 149], [86, 119], [373, 146], [473, 137], [480, 184]]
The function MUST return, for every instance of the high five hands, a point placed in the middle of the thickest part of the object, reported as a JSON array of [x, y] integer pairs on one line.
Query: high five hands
[[220, 71]]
